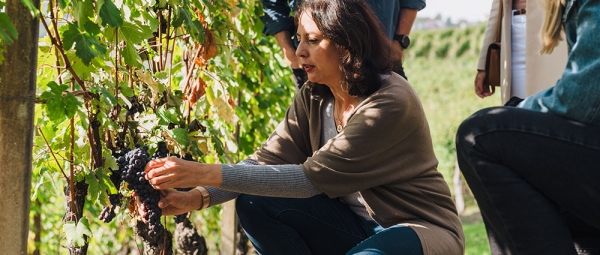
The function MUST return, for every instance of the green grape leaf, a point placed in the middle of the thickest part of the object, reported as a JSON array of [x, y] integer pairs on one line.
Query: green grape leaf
[[108, 98], [59, 107], [132, 33], [217, 142], [111, 163], [62, 4], [105, 182], [184, 17], [166, 116], [91, 28], [87, 47], [125, 90], [131, 56], [180, 135], [95, 190], [82, 9], [76, 232], [110, 14], [8, 32]]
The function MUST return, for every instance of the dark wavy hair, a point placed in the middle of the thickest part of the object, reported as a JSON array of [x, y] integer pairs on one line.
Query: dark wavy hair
[[366, 51]]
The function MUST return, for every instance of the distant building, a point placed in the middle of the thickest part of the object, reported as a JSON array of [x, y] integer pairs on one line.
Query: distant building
[[438, 22]]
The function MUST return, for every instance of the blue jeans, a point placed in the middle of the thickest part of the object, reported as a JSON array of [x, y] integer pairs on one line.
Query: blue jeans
[[318, 225], [536, 179]]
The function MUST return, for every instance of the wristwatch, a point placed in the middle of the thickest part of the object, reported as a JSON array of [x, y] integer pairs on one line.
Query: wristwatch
[[403, 40]]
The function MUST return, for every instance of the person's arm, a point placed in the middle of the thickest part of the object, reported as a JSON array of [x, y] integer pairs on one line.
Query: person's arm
[[280, 25], [246, 177], [284, 40], [406, 19], [489, 37], [575, 95]]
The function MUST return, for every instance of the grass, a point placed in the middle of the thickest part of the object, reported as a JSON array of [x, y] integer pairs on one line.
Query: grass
[[477, 243], [444, 83]]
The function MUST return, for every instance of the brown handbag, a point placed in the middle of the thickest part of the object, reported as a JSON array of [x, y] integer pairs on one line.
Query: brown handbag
[[492, 59]]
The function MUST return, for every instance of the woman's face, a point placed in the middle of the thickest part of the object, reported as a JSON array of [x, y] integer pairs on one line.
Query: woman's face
[[320, 58]]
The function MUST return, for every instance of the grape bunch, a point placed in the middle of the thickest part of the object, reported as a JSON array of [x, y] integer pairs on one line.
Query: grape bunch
[[133, 174], [136, 107], [162, 151], [108, 212]]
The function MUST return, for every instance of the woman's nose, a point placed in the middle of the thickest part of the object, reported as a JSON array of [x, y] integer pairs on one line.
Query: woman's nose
[[300, 51]]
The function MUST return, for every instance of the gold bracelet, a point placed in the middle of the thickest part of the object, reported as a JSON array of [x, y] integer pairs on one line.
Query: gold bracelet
[[205, 197]]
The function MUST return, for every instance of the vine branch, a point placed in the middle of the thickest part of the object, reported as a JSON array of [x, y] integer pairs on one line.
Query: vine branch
[[58, 44]]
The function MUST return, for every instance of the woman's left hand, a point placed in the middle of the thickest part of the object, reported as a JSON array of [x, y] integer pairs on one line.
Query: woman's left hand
[[173, 202], [173, 172]]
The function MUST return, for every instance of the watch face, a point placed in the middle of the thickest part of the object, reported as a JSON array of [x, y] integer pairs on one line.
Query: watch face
[[403, 40]]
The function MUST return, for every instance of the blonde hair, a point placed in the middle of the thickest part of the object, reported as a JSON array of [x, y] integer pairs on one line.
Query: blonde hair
[[552, 28]]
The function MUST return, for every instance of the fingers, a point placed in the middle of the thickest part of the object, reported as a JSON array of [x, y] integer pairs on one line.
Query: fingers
[[163, 182], [155, 163], [480, 89]]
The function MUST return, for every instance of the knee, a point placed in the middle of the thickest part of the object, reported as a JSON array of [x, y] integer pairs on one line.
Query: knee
[[245, 204], [473, 125], [250, 206]]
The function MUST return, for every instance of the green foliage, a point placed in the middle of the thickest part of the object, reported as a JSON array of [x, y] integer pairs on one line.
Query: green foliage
[[209, 83], [442, 52], [447, 43], [59, 107], [76, 231], [207, 80], [8, 32]]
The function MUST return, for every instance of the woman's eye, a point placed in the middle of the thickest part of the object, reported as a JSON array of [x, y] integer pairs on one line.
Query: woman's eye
[[312, 41]]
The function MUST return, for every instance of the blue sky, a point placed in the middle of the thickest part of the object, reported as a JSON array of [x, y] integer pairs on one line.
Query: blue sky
[[471, 10]]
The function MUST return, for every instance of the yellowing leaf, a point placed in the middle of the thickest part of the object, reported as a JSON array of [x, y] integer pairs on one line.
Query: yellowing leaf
[[224, 110]]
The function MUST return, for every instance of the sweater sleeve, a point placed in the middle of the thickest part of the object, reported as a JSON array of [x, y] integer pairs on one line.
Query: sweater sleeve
[[249, 177], [272, 181]]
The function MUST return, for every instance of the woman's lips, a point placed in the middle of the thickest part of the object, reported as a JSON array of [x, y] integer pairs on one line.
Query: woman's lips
[[307, 68]]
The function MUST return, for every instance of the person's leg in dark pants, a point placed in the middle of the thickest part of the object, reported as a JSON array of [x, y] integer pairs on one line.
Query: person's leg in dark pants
[[390, 241], [526, 169], [316, 225]]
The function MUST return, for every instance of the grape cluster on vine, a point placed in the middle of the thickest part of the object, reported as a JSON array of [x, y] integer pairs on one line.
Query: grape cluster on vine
[[133, 174], [136, 107], [108, 212]]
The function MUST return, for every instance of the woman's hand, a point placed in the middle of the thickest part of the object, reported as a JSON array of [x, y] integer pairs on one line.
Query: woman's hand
[[172, 172], [173, 202], [480, 89]]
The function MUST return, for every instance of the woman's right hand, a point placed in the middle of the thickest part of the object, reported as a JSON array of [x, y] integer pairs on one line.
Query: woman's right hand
[[480, 89]]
